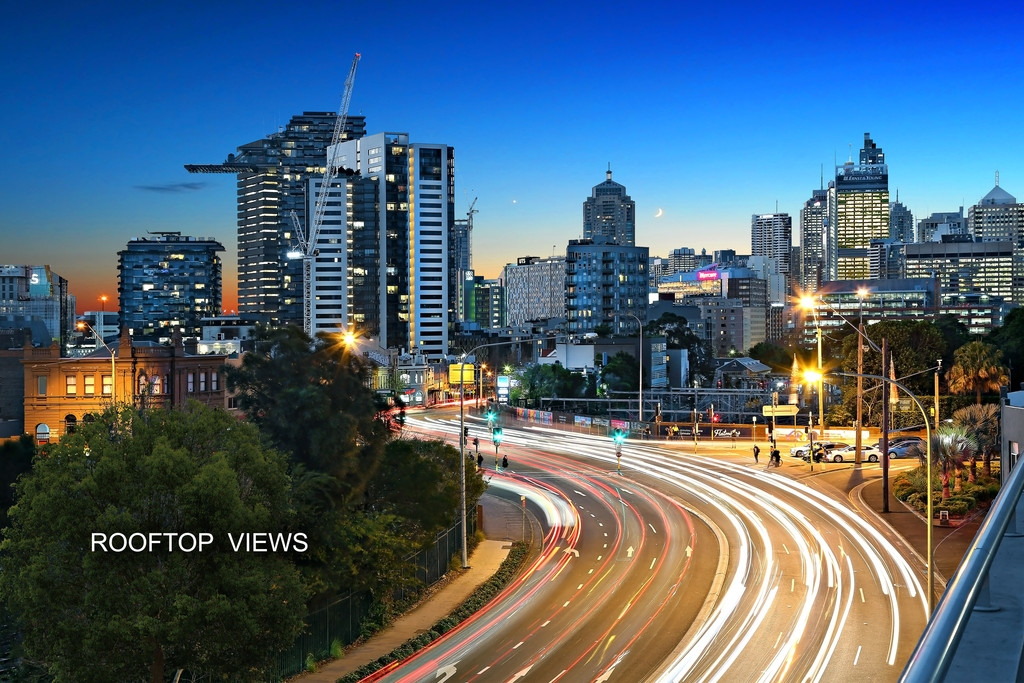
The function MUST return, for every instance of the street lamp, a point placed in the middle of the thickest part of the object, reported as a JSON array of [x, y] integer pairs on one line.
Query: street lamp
[[82, 325], [808, 303], [640, 410], [462, 437]]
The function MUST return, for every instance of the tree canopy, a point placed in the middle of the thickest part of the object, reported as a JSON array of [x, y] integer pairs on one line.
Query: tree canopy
[[90, 613], [977, 367]]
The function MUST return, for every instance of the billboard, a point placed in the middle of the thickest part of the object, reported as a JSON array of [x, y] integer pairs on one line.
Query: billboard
[[503, 383], [461, 373]]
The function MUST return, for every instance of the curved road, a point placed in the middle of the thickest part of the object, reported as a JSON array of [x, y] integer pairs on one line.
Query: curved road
[[682, 567]]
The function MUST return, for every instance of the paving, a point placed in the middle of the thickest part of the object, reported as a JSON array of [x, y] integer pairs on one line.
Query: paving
[[503, 524]]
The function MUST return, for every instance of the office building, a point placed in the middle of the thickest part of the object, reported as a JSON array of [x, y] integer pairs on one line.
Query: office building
[[168, 283], [859, 213], [397, 281], [901, 222], [273, 176], [997, 218], [814, 218], [534, 289], [966, 267], [36, 298], [462, 250], [681, 259], [610, 213], [938, 225], [771, 235], [484, 305], [605, 284]]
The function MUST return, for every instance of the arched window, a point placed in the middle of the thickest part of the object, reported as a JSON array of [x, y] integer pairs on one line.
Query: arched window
[[143, 383], [42, 433], [70, 424]]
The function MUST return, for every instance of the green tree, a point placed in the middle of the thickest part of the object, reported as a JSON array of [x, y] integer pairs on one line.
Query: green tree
[[552, 381], [982, 422], [779, 359], [678, 335], [977, 367], [951, 445], [955, 334], [94, 615], [310, 400], [1009, 338], [15, 460], [622, 373]]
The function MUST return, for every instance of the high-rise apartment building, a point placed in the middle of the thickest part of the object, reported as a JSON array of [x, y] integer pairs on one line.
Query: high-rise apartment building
[[860, 213], [273, 175], [771, 235], [534, 289], [997, 218], [814, 218], [610, 213], [901, 222], [398, 279], [462, 250], [605, 284], [167, 283], [36, 298]]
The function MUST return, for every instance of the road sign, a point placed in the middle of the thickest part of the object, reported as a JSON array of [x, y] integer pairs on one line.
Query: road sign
[[769, 411]]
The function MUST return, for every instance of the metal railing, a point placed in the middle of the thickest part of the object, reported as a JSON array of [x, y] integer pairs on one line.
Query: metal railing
[[937, 647]]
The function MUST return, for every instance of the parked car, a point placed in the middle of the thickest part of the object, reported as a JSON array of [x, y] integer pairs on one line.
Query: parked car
[[849, 454], [913, 448], [801, 450]]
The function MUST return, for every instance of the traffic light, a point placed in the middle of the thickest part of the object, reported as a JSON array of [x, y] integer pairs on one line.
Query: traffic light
[[618, 436], [715, 417], [491, 415], [465, 433], [476, 443], [496, 435]]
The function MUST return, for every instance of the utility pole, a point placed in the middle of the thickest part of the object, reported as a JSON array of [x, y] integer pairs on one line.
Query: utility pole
[[884, 443], [860, 395]]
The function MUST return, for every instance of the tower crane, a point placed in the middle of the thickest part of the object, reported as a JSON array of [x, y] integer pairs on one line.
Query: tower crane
[[308, 238]]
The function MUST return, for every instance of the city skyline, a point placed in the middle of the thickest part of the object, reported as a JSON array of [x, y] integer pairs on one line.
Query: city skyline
[[707, 117]]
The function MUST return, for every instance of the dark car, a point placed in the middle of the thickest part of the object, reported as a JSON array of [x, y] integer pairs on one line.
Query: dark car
[[826, 447]]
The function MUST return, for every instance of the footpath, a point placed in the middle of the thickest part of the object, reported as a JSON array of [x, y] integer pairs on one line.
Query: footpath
[[503, 525]]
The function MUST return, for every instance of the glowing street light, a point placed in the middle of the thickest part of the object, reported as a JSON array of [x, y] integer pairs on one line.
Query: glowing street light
[[809, 303]]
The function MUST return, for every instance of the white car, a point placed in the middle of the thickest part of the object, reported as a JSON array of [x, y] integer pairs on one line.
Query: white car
[[829, 446], [849, 454]]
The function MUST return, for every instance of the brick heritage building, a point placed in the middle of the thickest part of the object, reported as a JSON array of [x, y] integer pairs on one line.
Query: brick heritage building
[[60, 391]]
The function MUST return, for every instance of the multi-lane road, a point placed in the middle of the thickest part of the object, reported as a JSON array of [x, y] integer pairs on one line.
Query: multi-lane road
[[683, 566]]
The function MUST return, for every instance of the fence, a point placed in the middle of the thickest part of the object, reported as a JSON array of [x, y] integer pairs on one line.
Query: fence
[[342, 620]]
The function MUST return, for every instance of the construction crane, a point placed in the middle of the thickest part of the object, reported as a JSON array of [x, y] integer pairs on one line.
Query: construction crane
[[307, 238]]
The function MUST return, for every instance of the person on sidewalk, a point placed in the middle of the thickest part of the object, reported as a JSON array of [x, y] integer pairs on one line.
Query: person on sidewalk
[[776, 457], [757, 452]]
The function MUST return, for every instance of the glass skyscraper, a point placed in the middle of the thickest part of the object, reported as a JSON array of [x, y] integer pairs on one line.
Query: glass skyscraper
[[860, 213]]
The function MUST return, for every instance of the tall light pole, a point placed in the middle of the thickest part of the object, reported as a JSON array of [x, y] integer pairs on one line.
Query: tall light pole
[[462, 438], [113, 359], [928, 474], [810, 303], [640, 410]]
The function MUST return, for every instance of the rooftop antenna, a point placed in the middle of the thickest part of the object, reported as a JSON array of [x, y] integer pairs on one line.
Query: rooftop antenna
[[776, 206], [609, 170], [822, 181], [997, 178]]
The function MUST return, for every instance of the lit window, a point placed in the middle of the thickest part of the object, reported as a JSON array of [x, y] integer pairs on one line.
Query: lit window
[[107, 382], [70, 385], [89, 388]]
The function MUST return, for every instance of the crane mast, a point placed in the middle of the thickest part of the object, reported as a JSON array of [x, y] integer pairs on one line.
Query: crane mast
[[307, 239]]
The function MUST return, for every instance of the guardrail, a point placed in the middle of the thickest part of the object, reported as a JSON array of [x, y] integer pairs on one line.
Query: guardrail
[[937, 647]]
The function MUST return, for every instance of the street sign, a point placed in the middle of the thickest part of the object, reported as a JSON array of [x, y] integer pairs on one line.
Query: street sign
[[769, 411]]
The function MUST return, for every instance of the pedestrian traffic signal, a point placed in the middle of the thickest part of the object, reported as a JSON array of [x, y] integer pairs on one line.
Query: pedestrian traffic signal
[[491, 415], [619, 436], [496, 435], [465, 432]]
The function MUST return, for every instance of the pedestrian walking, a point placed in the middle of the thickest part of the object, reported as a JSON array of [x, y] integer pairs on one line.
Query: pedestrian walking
[[757, 452], [776, 457]]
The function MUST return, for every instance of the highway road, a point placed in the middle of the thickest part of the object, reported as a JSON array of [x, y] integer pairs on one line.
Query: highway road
[[695, 567]]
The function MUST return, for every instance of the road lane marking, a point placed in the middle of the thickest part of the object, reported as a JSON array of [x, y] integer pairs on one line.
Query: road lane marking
[[579, 587], [579, 493], [862, 595], [482, 670], [653, 563], [857, 657], [776, 647], [545, 623], [566, 603], [784, 547], [516, 646], [792, 585], [652, 527]]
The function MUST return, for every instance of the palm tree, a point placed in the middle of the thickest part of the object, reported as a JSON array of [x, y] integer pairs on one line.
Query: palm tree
[[951, 444], [983, 423], [977, 367]]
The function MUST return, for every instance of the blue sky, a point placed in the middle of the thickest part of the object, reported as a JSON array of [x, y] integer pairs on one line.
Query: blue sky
[[710, 113]]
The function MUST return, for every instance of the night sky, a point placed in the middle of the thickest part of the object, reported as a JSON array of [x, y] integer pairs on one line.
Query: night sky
[[710, 114]]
